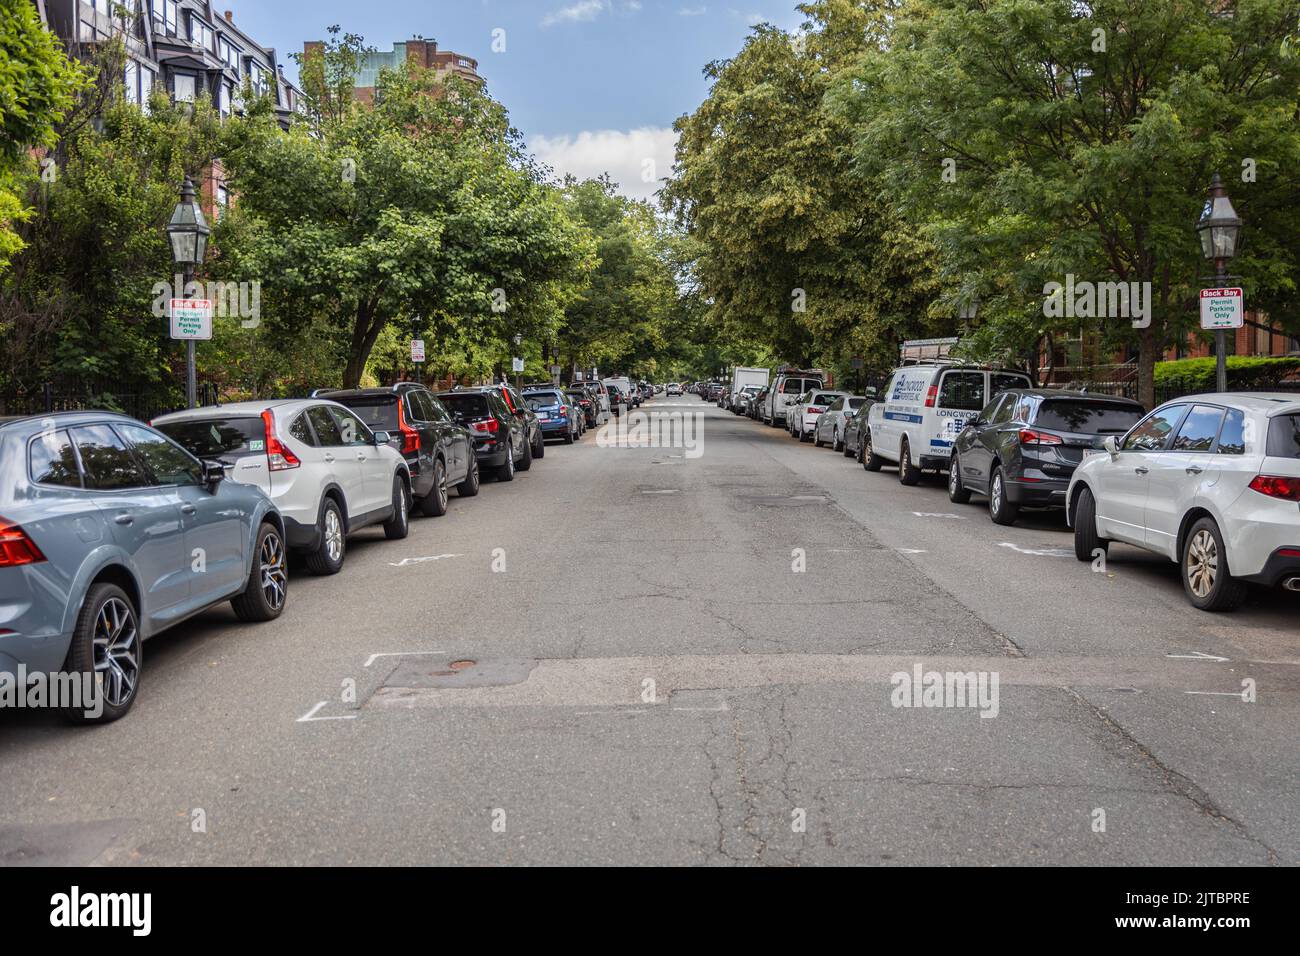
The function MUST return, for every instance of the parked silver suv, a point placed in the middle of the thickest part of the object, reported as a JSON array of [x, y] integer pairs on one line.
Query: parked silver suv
[[110, 533]]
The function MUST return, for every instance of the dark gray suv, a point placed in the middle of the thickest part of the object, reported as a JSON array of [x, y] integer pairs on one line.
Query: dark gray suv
[[110, 533]]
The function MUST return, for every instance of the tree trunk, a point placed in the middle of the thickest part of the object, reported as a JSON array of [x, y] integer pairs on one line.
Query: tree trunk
[[365, 331], [1148, 352]]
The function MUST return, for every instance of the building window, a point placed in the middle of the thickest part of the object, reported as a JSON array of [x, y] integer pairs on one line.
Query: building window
[[166, 15], [226, 98], [183, 88], [223, 201], [259, 78], [132, 81], [146, 86], [229, 53], [201, 35]]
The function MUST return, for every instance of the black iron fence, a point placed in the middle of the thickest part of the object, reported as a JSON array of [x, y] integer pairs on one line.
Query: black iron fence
[[143, 406]]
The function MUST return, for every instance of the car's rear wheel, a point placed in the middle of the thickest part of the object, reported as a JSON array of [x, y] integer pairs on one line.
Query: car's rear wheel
[[867, 455], [506, 471], [106, 649], [469, 487], [539, 446], [817, 442], [327, 557], [399, 525], [526, 462], [958, 493], [908, 473], [568, 435], [434, 504], [1001, 510], [1207, 580], [1086, 539], [268, 581]]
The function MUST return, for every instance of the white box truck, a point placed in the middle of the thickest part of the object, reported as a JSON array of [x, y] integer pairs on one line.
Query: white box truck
[[740, 377]]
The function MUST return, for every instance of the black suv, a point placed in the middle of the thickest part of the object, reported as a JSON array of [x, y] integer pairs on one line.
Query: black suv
[[1022, 448], [515, 402], [500, 436], [437, 450]]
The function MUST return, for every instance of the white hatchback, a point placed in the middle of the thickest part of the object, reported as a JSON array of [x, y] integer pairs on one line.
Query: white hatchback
[[1211, 482], [324, 468]]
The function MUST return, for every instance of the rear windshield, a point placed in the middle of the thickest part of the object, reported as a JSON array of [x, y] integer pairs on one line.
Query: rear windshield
[[823, 399], [1284, 437], [537, 400], [466, 408], [218, 437], [1092, 418], [797, 386], [377, 411]]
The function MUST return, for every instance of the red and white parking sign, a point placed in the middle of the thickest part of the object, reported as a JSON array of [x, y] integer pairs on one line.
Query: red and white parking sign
[[1223, 309]]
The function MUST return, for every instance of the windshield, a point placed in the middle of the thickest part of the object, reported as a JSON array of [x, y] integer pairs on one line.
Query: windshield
[[226, 438]]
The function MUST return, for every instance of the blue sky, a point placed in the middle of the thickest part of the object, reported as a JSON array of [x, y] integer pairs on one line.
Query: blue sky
[[592, 84]]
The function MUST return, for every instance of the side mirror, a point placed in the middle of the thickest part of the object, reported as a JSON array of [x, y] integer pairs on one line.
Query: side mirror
[[214, 472], [1111, 447], [382, 438], [521, 412]]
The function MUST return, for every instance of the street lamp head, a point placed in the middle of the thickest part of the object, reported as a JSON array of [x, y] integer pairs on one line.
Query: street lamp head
[[969, 307], [187, 229], [519, 339], [1219, 225]]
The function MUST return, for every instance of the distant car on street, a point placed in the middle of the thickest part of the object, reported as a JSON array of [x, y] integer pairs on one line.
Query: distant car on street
[[831, 424]]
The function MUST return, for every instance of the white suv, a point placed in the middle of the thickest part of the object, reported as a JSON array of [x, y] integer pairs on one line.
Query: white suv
[[802, 416], [924, 409], [1211, 482], [787, 387], [326, 471]]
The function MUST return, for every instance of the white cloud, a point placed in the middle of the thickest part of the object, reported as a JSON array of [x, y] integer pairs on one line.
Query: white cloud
[[692, 11], [629, 157], [575, 12]]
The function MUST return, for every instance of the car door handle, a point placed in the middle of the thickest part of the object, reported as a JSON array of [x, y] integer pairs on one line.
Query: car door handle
[[1142, 469], [188, 509], [360, 456], [1193, 470], [124, 519], [329, 457]]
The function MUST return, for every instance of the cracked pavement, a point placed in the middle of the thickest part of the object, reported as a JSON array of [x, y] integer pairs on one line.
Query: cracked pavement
[[652, 683]]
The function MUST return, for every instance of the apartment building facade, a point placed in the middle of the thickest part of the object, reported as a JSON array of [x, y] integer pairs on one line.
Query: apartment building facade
[[419, 51]]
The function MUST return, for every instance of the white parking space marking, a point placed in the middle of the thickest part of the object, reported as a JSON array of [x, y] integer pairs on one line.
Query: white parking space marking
[[938, 514], [310, 716], [912, 551], [1240, 695], [1040, 552], [406, 562], [373, 657], [1198, 656]]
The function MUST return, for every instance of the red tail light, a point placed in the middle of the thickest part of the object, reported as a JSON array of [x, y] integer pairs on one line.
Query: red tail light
[[814, 408], [16, 548], [410, 437], [564, 409], [1030, 437], [488, 426], [1276, 486], [278, 455], [931, 396]]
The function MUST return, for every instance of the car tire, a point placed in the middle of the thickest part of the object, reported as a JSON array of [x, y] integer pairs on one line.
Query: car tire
[[469, 487], [836, 444], [568, 436], [539, 446], [844, 447], [958, 493], [110, 610], [399, 525], [434, 504], [327, 557], [804, 436], [867, 455], [1086, 539], [1207, 580], [506, 471], [908, 473], [817, 442], [526, 462], [267, 587], [1001, 510]]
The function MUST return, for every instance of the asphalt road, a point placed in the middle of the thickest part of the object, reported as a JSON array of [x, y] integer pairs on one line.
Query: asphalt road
[[650, 681]]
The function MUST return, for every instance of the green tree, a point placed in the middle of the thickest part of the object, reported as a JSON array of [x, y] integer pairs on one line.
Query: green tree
[[1033, 139]]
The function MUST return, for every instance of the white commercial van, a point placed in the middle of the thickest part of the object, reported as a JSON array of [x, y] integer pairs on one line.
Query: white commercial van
[[923, 410], [789, 385]]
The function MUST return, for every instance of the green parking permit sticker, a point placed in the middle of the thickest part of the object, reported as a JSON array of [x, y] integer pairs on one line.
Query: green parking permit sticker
[[256, 445]]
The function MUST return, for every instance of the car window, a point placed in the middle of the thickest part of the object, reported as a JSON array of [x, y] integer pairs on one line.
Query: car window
[[856, 403], [962, 390], [1087, 417], [1199, 429], [377, 411], [301, 430], [167, 462], [1283, 437], [1153, 431], [226, 438], [1004, 409], [430, 410], [836, 405], [468, 407], [354, 430], [822, 399], [327, 429], [1001, 381], [1232, 436], [53, 460], [107, 462]]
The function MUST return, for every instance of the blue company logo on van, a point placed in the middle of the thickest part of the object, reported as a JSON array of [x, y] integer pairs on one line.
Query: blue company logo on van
[[908, 389], [904, 417]]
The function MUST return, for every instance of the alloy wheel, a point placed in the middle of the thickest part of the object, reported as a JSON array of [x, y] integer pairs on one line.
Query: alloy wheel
[[116, 651], [333, 534], [1202, 563], [274, 576]]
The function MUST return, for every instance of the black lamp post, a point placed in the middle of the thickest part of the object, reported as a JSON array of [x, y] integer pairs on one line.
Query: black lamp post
[[188, 232], [1219, 228]]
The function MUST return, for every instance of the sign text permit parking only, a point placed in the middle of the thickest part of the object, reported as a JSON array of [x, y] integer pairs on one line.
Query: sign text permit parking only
[[191, 318], [1222, 309]]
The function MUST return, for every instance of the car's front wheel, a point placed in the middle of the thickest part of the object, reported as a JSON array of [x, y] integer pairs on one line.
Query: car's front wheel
[[526, 462], [106, 652], [268, 581], [1001, 510], [539, 446], [1086, 539], [1207, 580], [397, 527], [434, 504]]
